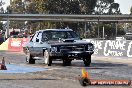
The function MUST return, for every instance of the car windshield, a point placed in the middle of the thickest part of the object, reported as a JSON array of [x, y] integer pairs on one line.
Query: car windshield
[[56, 35]]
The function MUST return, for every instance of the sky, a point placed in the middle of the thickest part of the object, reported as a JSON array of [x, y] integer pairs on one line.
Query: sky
[[125, 5]]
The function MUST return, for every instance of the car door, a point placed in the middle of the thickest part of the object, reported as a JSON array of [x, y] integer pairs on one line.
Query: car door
[[37, 45], [32, 43]]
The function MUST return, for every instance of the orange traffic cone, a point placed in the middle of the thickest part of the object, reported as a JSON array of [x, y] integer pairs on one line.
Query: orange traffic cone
[[2, 65]]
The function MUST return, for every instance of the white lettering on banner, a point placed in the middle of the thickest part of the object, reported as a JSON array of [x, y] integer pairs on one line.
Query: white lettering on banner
[[113, 48], [114, 53], [116, 44], [105, 48], [16, 43], [96, 51], [129, 49], [97, 44]]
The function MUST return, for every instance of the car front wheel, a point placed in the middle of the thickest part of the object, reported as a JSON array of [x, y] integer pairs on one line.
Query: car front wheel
[[47, 58], [87, 60]]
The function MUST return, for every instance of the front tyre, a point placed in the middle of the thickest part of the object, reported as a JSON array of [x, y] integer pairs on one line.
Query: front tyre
[[87, 60], [47, 58]]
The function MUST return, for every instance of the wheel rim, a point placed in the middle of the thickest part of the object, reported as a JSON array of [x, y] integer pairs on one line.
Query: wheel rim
[[46, 57], [27, 60], [27, 57]]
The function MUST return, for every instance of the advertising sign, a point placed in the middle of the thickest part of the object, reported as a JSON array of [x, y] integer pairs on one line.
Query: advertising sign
[[117, 48], [16, 44]]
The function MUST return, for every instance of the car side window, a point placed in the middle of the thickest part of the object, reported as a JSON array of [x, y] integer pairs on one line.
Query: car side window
[[34, 37], [69, 35], [39, 36], [46, 36]]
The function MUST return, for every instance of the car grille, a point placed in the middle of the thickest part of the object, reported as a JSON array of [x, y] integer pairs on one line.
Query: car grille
[[72, 48]]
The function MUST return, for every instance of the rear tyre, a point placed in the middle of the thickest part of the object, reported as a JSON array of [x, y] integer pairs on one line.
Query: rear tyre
[[87, 60], [29, 59], [50, 62]]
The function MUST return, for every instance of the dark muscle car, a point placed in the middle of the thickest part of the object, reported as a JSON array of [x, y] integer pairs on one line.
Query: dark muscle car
[[58, 44]]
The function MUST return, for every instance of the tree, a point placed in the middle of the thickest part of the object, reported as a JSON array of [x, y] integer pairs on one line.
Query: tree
[[66, 7], [131, 10], [128, 26], [1, 11], [1, 8], [114, 9], [107, 7], [34, 6], [58, 7], [9, 9], [1, 26], [17, 6], [70, 6]]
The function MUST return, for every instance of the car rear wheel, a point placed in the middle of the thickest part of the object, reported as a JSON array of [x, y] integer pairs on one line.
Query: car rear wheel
[[87, 60], [29, 59], [47, 58]]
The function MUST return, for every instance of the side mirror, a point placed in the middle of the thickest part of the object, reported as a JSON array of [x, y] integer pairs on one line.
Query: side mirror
[[37, 40]]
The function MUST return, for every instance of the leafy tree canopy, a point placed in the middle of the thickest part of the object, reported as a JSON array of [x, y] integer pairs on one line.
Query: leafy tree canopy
[[65, 7]]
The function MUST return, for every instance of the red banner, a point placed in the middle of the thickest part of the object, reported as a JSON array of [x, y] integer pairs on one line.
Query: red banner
[[16, 44]]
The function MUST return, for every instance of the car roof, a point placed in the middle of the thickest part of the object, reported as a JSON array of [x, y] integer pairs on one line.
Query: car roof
[[55, 30]]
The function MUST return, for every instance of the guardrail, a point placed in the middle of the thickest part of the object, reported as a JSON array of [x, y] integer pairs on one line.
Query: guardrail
[[67, 17]]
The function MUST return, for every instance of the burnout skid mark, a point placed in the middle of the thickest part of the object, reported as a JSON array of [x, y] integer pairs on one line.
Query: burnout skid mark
[[12, 68]]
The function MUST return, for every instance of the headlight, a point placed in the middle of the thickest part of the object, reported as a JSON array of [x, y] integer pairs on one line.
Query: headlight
[[90, 47], [53, 49]]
